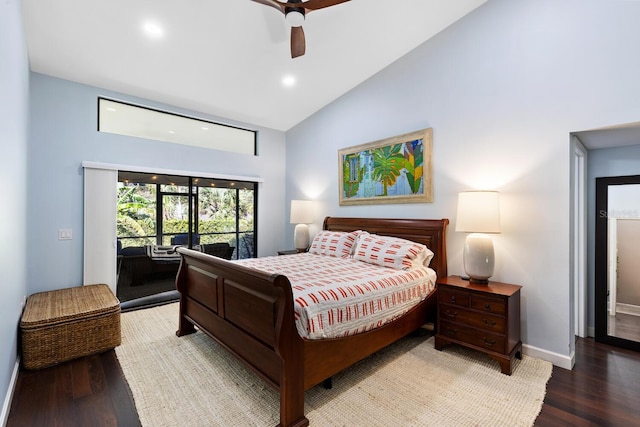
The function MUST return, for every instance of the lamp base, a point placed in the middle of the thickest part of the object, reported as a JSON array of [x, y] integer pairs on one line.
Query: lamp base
[[301, 237], [479, 258]]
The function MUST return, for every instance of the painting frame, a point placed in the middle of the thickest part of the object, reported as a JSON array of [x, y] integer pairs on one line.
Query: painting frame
[[393, 170]]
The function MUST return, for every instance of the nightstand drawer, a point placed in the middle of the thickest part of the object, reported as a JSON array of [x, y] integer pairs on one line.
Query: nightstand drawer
[[482, 321], [450, 296], [488, 340], [488, 304]]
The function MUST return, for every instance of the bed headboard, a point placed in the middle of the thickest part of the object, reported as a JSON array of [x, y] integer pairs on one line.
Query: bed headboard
[[429, 232]]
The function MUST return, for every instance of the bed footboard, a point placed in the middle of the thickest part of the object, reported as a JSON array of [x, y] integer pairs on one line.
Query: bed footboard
[[250, 313]]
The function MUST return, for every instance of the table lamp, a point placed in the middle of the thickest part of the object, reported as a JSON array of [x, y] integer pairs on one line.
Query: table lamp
[[478, 214]]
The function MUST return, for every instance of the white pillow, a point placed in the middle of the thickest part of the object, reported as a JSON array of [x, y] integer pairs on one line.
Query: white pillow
[[338, 244], [392, 252]]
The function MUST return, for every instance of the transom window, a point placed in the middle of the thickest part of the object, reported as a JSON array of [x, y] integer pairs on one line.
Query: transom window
[[143, 122]]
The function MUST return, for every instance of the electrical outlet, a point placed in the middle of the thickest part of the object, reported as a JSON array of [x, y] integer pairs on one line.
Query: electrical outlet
[[65, 234]]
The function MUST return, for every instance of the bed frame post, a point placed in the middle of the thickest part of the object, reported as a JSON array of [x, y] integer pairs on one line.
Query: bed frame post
[[185, 327], [292, 396], [289, 346]]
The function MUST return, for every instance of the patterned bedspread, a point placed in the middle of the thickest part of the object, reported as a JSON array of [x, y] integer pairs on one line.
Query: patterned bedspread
[[336, 297]]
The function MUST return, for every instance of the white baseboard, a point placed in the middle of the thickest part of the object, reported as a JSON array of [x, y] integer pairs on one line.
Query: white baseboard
[[633, 310], [591, 331], [556, 359], [4, 415]]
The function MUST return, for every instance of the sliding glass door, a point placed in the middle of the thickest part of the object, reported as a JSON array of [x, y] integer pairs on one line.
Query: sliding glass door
[[157, 213]]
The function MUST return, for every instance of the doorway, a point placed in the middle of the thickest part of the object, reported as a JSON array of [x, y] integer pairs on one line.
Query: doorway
[[617, 271]]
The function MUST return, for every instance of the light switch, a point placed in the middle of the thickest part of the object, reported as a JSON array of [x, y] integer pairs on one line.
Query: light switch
[[65, 234]]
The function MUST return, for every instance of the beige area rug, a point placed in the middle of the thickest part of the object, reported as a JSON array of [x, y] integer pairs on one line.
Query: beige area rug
[[192, 381]]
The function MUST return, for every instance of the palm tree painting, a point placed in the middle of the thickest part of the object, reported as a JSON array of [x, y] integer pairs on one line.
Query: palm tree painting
[[388, 163], [394, 170]]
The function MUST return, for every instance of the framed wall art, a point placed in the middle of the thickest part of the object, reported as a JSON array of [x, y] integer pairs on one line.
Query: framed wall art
[[392, 170]]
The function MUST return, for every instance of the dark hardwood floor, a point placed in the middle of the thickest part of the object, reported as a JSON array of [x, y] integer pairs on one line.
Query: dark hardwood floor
[[90, 391], [603, 389]]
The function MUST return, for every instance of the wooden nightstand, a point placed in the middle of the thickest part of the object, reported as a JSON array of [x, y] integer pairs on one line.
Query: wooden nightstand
[[288, 252], [482, 317]]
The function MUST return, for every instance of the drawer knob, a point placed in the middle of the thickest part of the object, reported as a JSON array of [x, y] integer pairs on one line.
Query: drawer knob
[[487, 307], [451, 314], [453, 298], [488, 323], [452, 331], [488, 342]]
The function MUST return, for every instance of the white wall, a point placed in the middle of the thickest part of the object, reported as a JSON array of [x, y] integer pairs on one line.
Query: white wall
[[14, 96], [63, 134], [502, 89]]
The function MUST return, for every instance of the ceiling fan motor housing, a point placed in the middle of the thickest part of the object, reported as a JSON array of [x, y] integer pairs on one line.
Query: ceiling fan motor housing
[[294, 16]]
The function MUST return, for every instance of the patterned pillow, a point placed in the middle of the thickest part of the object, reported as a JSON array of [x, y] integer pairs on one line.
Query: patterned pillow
[[392, 252], [338, 244]]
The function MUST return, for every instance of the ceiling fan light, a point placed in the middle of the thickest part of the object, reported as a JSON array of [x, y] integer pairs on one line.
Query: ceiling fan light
[[295, 17]]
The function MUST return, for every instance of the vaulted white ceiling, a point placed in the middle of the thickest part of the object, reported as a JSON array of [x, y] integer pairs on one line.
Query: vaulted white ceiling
[[228, 57]]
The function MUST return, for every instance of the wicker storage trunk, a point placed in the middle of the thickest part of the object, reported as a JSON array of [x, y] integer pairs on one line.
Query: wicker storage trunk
[[64, 324]]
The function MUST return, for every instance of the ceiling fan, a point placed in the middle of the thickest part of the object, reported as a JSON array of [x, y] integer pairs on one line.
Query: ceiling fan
[[294, 12]]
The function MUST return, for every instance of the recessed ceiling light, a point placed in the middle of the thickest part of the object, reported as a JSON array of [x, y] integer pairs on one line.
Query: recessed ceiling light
[[153, 29], [288, 81], [111, 109], [172, 132], [204, 128]]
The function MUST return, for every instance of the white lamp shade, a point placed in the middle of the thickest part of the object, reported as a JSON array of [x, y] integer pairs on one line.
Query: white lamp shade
[[478, 212], [301, 212]]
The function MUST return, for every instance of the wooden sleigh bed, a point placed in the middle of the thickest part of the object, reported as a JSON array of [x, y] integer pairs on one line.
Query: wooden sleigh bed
[[251, 314]]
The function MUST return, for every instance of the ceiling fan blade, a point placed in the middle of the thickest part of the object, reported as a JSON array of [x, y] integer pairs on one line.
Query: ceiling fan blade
[[298, 43], [272, 3], [320, 4]]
